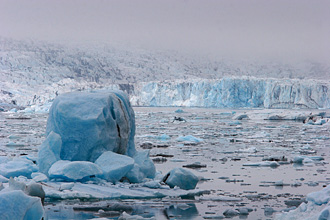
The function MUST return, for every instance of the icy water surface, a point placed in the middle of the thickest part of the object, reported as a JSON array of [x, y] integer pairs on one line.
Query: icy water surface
[[220, 161]]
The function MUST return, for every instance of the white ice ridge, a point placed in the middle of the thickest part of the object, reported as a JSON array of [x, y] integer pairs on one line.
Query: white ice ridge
[[244, 92]]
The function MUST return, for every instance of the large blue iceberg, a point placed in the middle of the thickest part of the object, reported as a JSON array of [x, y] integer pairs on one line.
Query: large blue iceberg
[[91, 134], [91, 123]]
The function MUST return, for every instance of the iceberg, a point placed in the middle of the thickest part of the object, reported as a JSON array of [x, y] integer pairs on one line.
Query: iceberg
[[91, 123]]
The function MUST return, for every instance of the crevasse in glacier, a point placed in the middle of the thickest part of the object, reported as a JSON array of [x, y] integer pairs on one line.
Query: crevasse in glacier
[[244, 92]]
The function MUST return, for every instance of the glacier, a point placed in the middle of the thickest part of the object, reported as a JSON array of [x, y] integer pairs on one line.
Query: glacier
[[33, 74], [232, 92]]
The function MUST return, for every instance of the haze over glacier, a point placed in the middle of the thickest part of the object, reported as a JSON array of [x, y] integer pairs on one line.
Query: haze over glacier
[[34, 73]]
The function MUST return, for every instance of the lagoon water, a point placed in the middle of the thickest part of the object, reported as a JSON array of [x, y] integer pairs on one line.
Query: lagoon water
[[225, 160]]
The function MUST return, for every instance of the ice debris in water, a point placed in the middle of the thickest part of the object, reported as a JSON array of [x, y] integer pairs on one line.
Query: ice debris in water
[[189, 138], [182, 178]]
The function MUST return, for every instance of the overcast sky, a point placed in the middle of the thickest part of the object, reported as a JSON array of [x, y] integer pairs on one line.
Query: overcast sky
[[287, 29]]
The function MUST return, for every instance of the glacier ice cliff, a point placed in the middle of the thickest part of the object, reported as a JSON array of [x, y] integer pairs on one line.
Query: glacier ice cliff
[[244, 92]]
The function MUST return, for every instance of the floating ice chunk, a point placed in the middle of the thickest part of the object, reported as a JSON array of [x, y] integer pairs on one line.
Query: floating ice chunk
[[74, 170], [276, 117], [320, 121], [66, 186], [125, 216], [163, 137], [17, 167], [49, 152], [182, 178], [230, 213], [244, 211], [306, 159], [279, 183], [152, 184], [39, 177], [263, 164], [247, 150], [92, 123], [222, 199], [179, 111], [143, 167], [241, 117], [13, 110], [114, 166], [17, 205], [118, 191], [189, 138], [233, 123]]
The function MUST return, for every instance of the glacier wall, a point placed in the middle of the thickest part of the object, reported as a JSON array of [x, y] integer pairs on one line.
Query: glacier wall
[[241, 92]]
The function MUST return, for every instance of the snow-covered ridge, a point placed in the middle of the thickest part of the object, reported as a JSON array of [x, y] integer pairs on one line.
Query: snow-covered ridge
[[235, 92]]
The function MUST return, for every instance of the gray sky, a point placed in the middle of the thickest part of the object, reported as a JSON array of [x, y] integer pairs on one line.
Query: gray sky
[[286, 29]]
